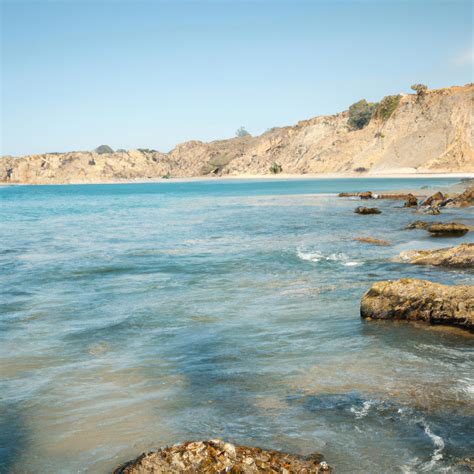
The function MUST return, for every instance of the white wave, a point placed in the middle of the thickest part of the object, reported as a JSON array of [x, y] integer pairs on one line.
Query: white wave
[[438, 443], [360, 413], [318, 256]]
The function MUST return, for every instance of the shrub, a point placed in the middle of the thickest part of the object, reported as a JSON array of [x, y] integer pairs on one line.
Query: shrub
[[103, 149], [420, 90], [387, 106], [361, 169], [166, 176], [241, 132], [276, 168], [360, 114]]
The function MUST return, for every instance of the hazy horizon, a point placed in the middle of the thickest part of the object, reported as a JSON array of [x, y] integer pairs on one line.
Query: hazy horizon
[[76, 74]]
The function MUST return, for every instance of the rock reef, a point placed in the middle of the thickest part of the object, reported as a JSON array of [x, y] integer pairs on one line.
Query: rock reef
[[216, 456], [420, 300], [461, 256]]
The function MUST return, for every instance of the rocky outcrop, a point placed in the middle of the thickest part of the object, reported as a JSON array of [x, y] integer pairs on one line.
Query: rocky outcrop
[[367, 210], [420, 300], [449, 229], [216, 456], [432, 135], [461, 256], [464, 199], [370, 240]]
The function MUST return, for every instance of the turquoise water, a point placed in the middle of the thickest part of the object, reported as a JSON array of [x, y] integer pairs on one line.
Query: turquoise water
[[135, 316]]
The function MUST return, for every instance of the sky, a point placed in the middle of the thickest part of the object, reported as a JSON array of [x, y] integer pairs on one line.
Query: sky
[[152, 74]]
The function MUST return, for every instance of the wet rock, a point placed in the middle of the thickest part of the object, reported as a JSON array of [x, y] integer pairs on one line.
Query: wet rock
[[433, 210], [367, 210], [434, 199], [449, 229], [464, 199], [418, 225], [363, 195], [216, 456], [411, 201], [420, 300], [461, 256], [395, 196], [370, 240]]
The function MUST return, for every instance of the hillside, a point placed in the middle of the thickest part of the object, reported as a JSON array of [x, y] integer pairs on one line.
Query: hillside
[[432, 133]]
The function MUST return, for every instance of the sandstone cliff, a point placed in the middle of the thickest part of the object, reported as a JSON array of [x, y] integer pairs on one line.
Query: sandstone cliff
[[429, 134]]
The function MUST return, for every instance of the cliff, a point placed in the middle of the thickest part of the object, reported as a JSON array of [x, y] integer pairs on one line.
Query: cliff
[[432, 133]]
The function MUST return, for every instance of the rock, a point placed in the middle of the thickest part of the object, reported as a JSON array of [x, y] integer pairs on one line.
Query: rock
[[367, 210], [461, 256], [411, 201], [417, 225], [420, 300], [370, 240], [363, 195], [433, 210], [401, 197], [435, 198], [215, 456], [464, 199], [450, 229]]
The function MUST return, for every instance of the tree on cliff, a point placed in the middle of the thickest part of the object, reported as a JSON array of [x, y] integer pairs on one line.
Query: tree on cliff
[[420, 90], [103, 149], [241, 132], [360, 114]]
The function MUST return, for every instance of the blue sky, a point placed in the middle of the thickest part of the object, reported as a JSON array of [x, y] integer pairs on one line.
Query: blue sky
[[77, 74]]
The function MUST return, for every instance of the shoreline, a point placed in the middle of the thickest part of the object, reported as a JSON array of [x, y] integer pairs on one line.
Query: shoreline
[[261, 177]]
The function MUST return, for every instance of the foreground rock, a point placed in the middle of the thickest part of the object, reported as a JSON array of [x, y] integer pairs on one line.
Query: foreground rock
[[216, 456], [370, 240], [451, 229], [461, 256], [367, 210], [420, 300]]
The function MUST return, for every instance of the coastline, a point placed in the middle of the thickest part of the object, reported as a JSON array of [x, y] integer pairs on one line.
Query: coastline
[[260, 177]]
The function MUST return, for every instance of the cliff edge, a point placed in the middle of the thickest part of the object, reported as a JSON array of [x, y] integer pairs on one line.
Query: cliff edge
[[429, 133]]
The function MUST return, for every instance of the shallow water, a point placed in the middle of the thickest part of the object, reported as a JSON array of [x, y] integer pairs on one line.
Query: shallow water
[[134, 316]]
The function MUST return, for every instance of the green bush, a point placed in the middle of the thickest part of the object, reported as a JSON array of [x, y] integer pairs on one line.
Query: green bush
[[420, 89], [103, 149], [360, 114], [387, 106], [241, 132], [361, 169], [276, 168]]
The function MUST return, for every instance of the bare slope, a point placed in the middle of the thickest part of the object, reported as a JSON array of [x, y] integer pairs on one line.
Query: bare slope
[[431, 134]]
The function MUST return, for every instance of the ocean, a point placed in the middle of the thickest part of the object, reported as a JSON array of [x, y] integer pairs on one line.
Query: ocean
[[135, 316]]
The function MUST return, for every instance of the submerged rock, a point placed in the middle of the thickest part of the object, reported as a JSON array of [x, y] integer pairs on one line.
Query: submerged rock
[[461, 256], [418, 225], [366, 210], [420, 300], [216, 456], [450, 229], [370, 240]]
